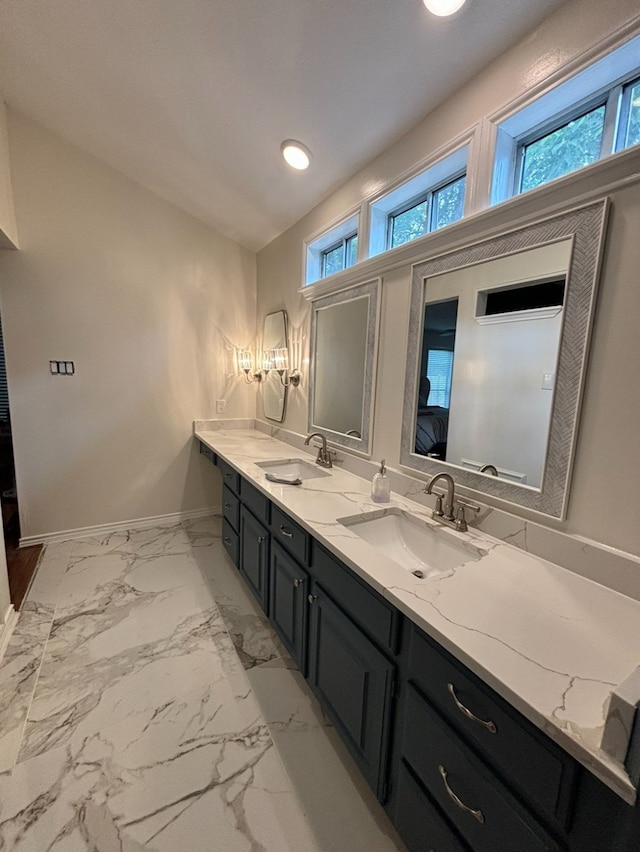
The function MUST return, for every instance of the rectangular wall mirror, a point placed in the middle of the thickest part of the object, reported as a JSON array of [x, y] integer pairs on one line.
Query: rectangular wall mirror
[[496, 355], [274, 394], [344, 337]]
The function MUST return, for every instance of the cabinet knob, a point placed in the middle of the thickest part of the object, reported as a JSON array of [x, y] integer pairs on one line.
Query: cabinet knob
[[312, 598], [262, 539]]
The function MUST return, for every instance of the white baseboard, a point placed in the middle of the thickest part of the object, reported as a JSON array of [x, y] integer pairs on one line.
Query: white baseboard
[[6, 629], [134, 524]]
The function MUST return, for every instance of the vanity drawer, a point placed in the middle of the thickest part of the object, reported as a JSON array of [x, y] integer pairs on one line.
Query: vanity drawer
[[506, 739], [230, 541], [417, 820], [207, 453], [363, 604], [290, 535], [256, 501], [230, 477], [476, 803], [231, 508]]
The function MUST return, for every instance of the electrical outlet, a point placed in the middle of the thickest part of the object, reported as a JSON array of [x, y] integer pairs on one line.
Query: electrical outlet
[[221, 406], [548, 380]]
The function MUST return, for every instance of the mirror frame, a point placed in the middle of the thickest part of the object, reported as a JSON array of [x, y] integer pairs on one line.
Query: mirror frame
[[371, 289], [275, 377], [585, 226]]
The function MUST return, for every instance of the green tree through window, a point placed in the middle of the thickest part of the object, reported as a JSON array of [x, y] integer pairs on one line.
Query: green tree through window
[[570, 147]]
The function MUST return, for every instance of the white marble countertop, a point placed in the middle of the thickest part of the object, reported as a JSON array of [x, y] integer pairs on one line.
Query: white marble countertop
[[553, 644]]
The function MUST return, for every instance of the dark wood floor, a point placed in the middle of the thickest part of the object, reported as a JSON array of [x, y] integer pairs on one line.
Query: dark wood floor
[[21, 561], [21, 565]]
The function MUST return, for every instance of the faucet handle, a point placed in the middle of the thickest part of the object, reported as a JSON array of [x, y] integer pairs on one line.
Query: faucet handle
[[461, 521], [437, 511], [468, 504]]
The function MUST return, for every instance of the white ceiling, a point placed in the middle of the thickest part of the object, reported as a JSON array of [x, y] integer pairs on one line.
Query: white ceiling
[[192, 98]]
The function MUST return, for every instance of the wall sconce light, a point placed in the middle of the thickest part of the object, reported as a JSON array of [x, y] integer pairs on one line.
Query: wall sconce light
[[281, 366], [245, 363]]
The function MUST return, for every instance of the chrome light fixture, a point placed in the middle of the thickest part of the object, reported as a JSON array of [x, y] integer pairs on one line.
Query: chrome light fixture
[[245, 364], [442, 8], [281, 366]]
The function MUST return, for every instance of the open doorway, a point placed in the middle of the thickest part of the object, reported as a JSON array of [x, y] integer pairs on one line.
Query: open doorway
[[21, 561]]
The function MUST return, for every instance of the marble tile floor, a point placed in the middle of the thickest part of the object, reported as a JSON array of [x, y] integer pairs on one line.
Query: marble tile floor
[[145, 704]]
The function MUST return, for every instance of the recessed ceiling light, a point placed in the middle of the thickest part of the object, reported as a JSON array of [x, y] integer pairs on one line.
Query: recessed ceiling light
[[442, 8], [296, 154]]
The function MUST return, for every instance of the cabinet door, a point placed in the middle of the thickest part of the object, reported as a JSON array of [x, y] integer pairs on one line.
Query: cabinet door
[[254, 555], [288, 590], [354, 682]]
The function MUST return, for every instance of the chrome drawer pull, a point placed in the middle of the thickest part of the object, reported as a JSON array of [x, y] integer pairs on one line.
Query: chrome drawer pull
[[227, 505], [285, 532], [312, 598], [475, 812], [227, 540], [297, 583], [262, 539], [489, 725]]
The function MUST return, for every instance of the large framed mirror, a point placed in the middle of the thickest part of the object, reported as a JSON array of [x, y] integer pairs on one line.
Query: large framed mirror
[[497, 349], [274, 393], [344, 343]]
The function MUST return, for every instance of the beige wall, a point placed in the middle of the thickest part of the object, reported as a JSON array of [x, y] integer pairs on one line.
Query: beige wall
[[603, 503], [8, 231], [148, 302]]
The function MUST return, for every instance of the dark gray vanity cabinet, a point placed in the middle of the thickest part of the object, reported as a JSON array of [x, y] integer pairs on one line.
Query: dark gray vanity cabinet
[[254, 555], [230, 510], [288, 591], [354, 682], [456, 766], [471, 773], [351, 662]]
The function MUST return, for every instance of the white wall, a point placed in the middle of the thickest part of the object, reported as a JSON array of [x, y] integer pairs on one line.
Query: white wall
[[8, 230], [137, 293], [607, 448]]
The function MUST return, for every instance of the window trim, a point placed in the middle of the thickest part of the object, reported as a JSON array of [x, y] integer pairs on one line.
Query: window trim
[[341, 243], [427, 196], [600, 80], [445, 167], [315, 246]]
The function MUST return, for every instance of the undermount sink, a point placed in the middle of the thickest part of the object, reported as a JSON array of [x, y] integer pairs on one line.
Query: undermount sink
[[420, 548], [293, 468]]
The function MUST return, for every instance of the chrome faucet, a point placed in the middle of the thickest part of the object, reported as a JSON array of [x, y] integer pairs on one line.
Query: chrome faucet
[[324, 457], [489, 468], [444, 514]]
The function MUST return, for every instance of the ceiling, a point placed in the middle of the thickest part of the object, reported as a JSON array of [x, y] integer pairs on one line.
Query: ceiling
[[193, 98]]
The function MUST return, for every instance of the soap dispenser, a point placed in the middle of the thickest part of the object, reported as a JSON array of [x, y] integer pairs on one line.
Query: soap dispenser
[[381, 485]]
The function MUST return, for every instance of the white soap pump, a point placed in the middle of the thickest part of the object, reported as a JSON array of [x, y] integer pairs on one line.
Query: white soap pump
[[381, 485]]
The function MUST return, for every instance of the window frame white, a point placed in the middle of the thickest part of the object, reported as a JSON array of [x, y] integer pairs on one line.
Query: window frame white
[[600, 82], [415, 188], [317, 245]]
